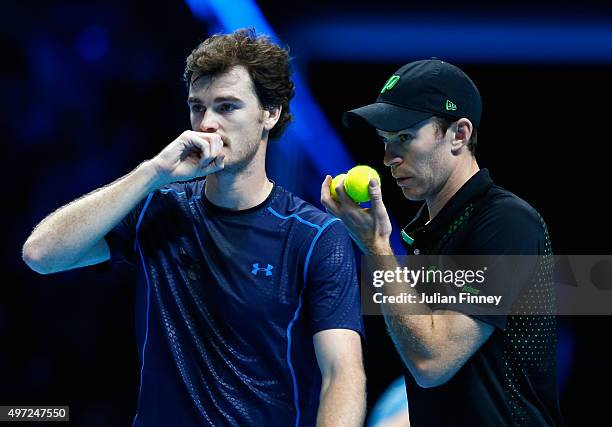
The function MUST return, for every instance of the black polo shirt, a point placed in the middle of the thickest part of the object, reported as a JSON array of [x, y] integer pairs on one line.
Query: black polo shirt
[[511, 379]]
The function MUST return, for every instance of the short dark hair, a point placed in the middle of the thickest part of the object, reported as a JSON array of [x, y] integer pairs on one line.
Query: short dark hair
[[442, 124], [266, 62]]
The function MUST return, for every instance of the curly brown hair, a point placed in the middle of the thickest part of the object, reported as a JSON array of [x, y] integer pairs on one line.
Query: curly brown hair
[[266, 62]]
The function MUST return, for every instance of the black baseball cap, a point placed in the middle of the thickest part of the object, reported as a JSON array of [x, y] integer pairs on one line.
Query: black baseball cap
[[417, 91]]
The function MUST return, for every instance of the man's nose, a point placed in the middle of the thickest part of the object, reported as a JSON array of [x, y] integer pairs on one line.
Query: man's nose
[[392, 158], [209, 122]]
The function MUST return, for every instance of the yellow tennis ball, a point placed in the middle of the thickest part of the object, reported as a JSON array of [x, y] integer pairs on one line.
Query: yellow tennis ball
[[357, 182], [334, 184]]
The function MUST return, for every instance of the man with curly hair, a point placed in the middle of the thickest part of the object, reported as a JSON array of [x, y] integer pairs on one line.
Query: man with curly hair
[[248, 306]]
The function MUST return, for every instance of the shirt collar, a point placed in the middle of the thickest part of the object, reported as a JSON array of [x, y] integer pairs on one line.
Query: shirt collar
[[471, 191]]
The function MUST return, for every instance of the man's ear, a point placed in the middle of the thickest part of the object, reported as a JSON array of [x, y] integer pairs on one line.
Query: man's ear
[[271, 116], [462, 129]]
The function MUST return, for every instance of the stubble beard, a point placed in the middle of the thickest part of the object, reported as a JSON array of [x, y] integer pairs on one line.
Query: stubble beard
[[434, 162], [246, 155]]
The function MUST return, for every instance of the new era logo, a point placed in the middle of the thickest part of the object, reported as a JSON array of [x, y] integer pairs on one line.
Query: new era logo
[[450, 106], [257, 269], [390, 83]]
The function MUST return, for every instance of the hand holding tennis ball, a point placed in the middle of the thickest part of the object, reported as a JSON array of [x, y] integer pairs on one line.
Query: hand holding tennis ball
[[356, 183], [334, 184]]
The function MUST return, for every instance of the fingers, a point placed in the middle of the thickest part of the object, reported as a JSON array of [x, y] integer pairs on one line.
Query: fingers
[[343, 206], [326, 198], [209, 144], [343, 198], [215, 165], [201, 144], [375, 193], [216, 145], [220, 161], [214, 141], [377, 206], [325, 194]]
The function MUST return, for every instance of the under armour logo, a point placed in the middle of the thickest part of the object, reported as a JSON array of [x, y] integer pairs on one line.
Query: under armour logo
[[256, 269]]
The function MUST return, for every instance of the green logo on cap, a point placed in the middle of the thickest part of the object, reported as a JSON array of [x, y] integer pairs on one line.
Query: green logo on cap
[[450, 106], [390, 83]]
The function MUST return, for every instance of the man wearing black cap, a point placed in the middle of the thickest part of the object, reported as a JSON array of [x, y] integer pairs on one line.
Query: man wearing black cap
[[461, 368]]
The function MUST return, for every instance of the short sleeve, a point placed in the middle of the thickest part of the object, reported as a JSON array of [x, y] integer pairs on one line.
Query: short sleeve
[[503, 229], [332, 287], [122, 237]]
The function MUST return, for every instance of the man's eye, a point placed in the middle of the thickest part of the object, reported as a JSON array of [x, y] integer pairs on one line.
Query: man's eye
[[226, 108], [197, 108], [403, 137]]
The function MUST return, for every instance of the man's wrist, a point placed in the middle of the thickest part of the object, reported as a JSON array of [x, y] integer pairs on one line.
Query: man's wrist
[[379, 247], [155, 178]]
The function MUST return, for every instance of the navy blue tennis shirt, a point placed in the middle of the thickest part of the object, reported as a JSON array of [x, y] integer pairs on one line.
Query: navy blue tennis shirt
[[228, 302]]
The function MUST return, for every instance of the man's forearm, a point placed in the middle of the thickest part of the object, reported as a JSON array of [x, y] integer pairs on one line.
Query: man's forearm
[[433, 346], [343, 400], [60, 239], [412, 327]]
